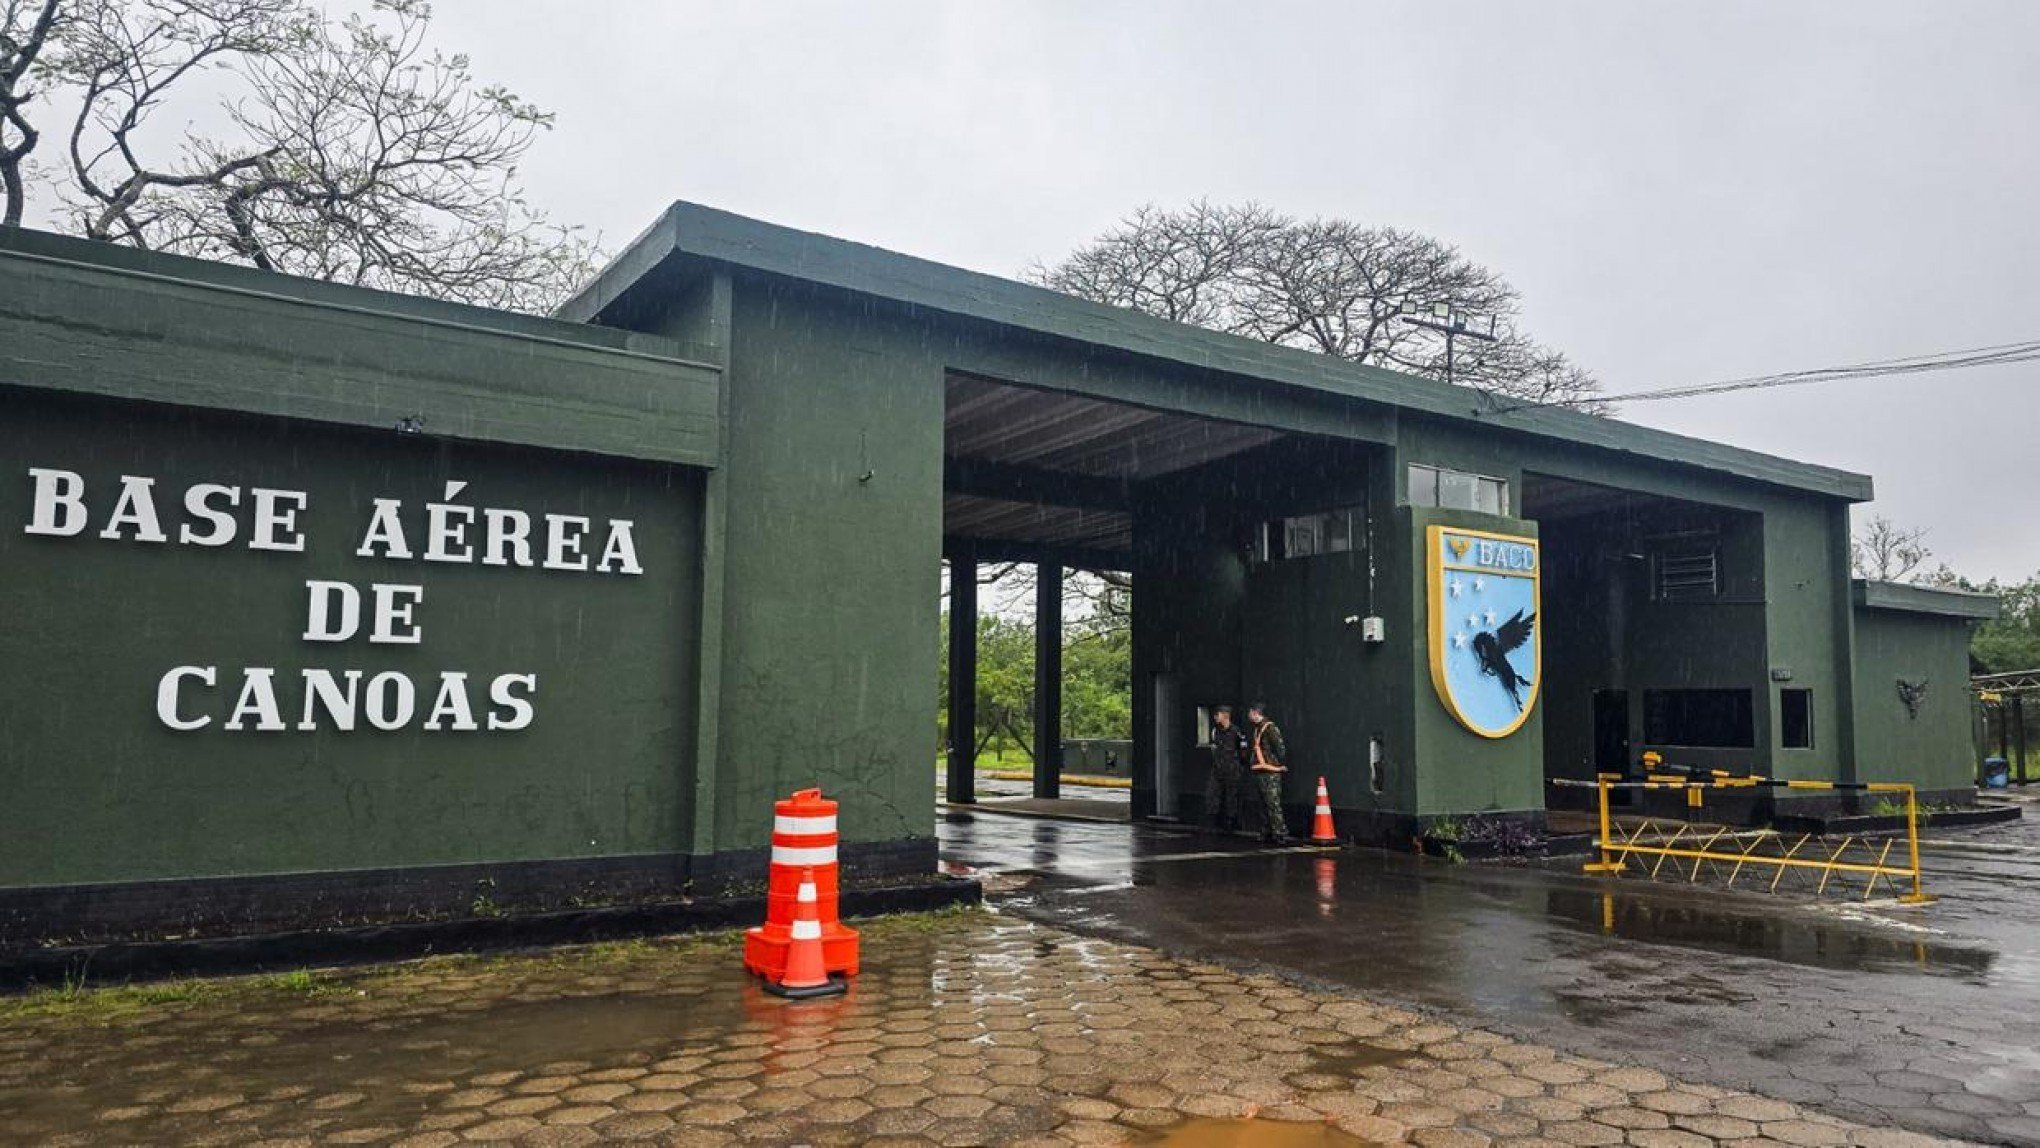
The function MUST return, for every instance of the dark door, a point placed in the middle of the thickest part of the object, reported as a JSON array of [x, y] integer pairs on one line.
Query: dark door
[[1611, 731]]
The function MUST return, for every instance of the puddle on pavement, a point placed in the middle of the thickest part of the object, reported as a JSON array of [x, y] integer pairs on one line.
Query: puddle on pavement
[[1352, 1058], [368, 1054], [1787, 932], [1248, 1133]]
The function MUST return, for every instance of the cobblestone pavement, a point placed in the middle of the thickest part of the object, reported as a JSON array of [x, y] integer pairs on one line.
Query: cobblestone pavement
[[964, 1029], [1916, 1017]]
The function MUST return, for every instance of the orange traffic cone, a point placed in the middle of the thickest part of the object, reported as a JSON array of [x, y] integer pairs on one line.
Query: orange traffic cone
[[807, 971], [1322, 832]]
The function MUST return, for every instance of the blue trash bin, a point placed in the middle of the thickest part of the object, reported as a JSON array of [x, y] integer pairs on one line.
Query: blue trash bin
[[1997, 773]]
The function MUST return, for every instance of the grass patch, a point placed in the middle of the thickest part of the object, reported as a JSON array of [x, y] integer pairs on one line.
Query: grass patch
[[79, 1001]]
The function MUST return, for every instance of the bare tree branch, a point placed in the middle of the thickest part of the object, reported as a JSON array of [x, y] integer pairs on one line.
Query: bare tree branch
[[26, 27], [1323, 285], [1883, 551], [356, 151]]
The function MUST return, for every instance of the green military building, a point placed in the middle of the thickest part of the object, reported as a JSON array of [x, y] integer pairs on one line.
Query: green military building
[[322, 602]]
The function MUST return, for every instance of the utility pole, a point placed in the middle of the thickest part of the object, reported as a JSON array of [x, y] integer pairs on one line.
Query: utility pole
[[1449, 321]]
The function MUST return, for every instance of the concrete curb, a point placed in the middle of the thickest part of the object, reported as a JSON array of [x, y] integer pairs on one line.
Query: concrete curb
[[217, 956]]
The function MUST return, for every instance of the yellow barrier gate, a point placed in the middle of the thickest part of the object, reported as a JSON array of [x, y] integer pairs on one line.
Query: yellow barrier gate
[[1719, 848]]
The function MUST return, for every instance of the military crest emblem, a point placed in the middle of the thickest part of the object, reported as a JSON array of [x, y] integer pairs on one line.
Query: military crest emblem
[[1486, 643]]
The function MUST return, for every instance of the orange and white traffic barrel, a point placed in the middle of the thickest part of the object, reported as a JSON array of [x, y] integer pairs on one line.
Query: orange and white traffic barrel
[[804, 841]]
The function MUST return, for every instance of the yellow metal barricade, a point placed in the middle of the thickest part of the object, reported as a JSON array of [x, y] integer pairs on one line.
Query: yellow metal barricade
[[1651, 843]]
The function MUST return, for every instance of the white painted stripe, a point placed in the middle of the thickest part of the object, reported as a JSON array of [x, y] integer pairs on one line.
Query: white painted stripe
[[1325, 809], [817, 855], [806, 896], [807, 930], [804, 826]]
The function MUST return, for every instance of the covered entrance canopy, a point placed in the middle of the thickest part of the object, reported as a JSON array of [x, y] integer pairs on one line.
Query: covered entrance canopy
[[1048, 478], [1277, 507]]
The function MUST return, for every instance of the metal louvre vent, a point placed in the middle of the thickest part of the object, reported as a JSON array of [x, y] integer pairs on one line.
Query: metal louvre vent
[[1689, 575]]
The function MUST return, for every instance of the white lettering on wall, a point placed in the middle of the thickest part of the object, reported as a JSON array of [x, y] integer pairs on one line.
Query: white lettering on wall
[[385, 529], [59, 507], [393, 624], [333, 611], [501, 695], [450, 710], [509, 533], [620, 549], [135, 510], [257, 700], [198, 507], [276, 514], [392, 699], [166, 696], [214, 515], [563, 542], [446, 528], [322, 692]]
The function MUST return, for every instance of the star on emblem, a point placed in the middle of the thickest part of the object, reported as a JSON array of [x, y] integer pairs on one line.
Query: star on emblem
[[1479, 584], [1459, 641], [1456, 586], [1489, 618], [1473, 621]]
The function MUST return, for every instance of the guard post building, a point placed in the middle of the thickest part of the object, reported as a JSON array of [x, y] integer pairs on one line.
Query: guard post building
[[327, 604]]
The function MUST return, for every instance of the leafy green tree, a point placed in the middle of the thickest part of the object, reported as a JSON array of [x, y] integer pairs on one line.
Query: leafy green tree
[[2012, 641], [1097, 682]]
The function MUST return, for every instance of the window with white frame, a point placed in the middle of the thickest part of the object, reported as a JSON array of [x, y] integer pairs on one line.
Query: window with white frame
[[1334, 531], [1457, 490]]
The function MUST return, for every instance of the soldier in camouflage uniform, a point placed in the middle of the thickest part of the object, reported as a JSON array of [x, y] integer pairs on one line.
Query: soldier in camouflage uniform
[[1269, 756], [1224, 795]]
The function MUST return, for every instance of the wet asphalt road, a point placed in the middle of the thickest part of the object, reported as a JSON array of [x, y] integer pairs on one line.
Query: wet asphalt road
[[1926, 1018]]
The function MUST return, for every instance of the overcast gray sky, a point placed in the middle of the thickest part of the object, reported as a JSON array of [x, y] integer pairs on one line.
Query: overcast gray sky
[[1682, 193]]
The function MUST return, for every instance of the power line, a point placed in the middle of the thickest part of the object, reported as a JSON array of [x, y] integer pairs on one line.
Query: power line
[[1992, 356]]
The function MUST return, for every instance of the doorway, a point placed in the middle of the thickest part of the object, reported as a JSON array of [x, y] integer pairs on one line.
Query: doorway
[[1611, 731]]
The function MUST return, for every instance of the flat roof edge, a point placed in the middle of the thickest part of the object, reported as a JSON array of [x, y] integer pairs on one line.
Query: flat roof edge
[[709, 233], [116, 259], [1907, 598]]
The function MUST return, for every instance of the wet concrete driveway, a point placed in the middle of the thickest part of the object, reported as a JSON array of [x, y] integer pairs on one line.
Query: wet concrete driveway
[[1926, 1018]]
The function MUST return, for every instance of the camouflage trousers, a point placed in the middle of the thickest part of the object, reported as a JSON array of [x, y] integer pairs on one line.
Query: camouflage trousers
[[1225, 795], [1269, 786]]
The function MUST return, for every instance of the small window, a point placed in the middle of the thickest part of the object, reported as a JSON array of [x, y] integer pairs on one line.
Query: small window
[[1700, 719], [1795, 718], [1423, 486], [1308, 535], [1457, 490], [1686, 576]]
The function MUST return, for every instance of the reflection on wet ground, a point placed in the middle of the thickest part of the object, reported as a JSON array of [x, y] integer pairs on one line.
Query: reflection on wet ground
[[963, 1029], [1916, 1015], [1240, 1133]]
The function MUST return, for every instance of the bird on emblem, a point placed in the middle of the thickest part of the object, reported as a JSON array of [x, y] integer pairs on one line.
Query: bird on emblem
[[1492, 648]]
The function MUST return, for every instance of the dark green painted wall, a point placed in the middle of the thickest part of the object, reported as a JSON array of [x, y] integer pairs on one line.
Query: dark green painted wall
[[91, 318], [833, 559], [779, 444], [1609, 632], [1234, 631], [99, 790], [1932, 750]]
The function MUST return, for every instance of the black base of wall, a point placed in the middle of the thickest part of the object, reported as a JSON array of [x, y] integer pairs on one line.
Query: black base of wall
[[40, 917], [153, 960], [1830, 819]]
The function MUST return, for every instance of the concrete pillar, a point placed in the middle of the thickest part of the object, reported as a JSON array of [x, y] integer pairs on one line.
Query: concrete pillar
[[1048, 586], [963, 614]]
